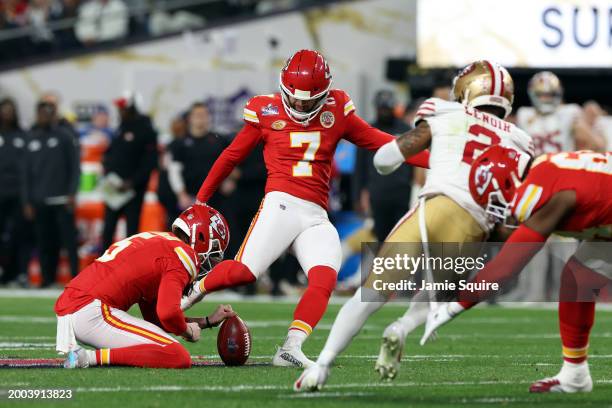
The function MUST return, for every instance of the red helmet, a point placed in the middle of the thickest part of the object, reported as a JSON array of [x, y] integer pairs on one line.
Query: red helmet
[[207, 232], [494, 177], [305, 77]]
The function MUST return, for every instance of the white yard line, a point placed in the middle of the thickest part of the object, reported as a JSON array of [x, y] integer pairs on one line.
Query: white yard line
[[245, 387]]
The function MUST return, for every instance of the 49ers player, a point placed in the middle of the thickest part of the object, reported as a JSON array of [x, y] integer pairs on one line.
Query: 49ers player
[[555, 127], [300, 128], [567, 193], [456, 132], [151, 269]]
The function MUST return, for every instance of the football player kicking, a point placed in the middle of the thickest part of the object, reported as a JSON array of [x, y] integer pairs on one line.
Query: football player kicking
[[300, 128], [151, 269], [456, 132], [568, 193]]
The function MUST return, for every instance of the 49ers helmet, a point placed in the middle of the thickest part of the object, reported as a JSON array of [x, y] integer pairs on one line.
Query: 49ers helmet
[[305, 77], [484, 83], [545, 91]]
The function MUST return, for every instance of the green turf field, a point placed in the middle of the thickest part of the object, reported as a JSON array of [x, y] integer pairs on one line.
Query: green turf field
[[486, 357]]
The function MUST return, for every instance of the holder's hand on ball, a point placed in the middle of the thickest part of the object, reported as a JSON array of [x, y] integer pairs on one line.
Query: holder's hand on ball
[[193, 332], [219, 315]]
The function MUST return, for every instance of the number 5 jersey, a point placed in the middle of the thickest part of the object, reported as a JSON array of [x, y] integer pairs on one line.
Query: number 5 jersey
[[459, 134]]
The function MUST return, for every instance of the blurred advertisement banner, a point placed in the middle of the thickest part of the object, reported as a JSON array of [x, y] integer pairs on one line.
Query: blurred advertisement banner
[[521, 33]]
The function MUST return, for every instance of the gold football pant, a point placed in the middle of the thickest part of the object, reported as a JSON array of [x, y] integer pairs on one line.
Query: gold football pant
[[448, 227]]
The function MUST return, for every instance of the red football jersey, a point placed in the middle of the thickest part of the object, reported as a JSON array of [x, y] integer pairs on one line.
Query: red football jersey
[[588, 174], [150, 268], [298, 157]]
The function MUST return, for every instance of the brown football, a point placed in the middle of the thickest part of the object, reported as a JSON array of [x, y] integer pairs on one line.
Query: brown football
[[234, 341]]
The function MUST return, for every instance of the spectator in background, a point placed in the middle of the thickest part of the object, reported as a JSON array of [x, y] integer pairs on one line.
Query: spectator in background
[[102, 21], [66, 37], [165, 195], [387, 198], [51, 182], [99, 130], [59, 118], [13, 14], [128, 163], [192, 157], [12, 150], [42, 37]]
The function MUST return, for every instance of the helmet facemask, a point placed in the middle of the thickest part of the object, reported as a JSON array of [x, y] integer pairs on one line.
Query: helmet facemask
[[299, 116]]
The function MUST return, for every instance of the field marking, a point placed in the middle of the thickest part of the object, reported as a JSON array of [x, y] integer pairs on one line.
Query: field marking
[[241, 388]]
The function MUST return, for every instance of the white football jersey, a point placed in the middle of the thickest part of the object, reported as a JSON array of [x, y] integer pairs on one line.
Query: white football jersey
[[459, 135], [551, 133]]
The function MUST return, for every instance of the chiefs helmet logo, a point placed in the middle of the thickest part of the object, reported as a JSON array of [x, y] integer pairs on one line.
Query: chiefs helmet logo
[[482, 178], [217, 224]]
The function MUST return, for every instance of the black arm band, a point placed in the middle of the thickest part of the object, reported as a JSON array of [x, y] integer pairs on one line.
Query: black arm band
[[208, 325]]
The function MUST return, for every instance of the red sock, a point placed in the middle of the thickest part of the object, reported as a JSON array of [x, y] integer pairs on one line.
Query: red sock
[[146, 355], [575, 322], [312, 305], [227, 274]]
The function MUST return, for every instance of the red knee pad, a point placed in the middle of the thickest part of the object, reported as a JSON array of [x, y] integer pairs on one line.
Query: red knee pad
[[323, 277]]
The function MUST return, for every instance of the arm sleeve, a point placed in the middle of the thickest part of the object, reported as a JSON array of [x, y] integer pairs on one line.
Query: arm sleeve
[[169, 295], [244, 142], [516, 253]]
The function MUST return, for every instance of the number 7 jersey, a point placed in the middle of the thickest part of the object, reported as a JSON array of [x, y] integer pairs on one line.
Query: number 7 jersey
[[298, 156], [459, 134]]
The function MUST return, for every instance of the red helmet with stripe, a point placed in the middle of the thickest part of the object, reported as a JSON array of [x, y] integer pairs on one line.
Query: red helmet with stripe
[[484, 83], [206, 231], [305, 82], [494, 177]]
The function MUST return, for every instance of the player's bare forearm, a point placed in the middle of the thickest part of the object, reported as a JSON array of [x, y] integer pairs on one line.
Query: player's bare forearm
[[214, 319], [416, 140]]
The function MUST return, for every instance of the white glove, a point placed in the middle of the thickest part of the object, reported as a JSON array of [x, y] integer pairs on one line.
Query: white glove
[[194, 296], [193, 332], [438, 317]]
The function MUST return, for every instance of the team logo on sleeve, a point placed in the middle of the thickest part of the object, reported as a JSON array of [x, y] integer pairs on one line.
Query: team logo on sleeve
[[327, 119], [269, 110], [279, 125]]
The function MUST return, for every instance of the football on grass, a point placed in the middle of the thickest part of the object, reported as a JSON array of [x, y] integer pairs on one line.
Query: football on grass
[[234, 341]]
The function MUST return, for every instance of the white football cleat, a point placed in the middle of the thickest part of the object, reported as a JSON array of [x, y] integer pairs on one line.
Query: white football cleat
[[438, 317], [76, 358], [291, 357], [312, 379], [572, 378], [390, 354], [193, 297]]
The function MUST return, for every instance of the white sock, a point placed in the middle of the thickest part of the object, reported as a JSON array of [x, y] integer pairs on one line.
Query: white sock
[[90, 356], [295, 338], [416, 314], [351, 318], [573, 372]]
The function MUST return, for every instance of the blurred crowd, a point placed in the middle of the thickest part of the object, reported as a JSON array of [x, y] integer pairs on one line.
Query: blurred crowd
[[43, 27], [43, 181]]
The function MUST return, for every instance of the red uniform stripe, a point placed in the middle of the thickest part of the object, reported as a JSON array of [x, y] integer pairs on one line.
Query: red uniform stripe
[[501, 75], [130, 328], [492, 76]]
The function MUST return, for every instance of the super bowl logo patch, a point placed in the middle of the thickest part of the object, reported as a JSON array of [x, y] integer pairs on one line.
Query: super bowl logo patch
[[327, 119], [279, 125], [269, 110]]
